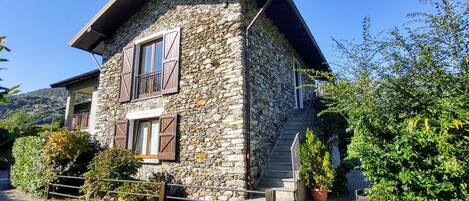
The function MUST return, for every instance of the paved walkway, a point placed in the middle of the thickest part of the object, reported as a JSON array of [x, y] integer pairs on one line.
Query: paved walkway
[[14, 195]]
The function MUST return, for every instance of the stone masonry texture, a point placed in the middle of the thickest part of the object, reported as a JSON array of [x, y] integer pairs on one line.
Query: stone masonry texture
[[211, 99]]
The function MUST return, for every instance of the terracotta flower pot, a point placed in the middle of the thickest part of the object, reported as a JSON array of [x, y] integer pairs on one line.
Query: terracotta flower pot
[[319, 195]]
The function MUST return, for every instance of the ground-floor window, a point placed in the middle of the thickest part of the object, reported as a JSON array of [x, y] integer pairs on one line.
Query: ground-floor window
[[145, 139]]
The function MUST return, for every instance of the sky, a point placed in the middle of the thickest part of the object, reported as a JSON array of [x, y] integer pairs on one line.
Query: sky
[[38, 32]]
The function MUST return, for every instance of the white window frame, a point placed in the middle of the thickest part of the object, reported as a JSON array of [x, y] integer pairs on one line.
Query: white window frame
[[134, 117], [300, 82]]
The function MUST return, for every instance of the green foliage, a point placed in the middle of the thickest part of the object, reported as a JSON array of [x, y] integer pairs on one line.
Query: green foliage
[[147, 189], [67, 153], [316, 168], [19, 124], [5, 92], [332, 124], [406, 98], [27, 172], [110, 164]]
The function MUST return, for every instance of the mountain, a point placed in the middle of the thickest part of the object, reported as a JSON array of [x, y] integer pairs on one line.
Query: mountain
[[41, 104]]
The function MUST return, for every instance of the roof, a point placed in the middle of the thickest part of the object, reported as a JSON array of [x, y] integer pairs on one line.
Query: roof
[[104, 24], [283, 13], [76, 79]]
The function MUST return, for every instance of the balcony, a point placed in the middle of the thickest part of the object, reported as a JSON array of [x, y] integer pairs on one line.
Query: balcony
[[80, 120], [148, 85]]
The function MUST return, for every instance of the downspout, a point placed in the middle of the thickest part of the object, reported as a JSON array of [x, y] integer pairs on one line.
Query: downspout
[[248, 92]]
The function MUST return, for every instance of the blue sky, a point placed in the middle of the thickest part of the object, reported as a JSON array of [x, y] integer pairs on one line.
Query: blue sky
[[38, 32]]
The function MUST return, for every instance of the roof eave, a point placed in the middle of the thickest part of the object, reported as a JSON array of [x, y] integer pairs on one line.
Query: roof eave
[[76, 79], [310, 34], [87, 27]]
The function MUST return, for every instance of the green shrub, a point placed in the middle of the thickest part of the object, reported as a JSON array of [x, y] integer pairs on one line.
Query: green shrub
[[67, 153], [147, 189], [27, 172], [109, 164], [405, 95], [316, 168]]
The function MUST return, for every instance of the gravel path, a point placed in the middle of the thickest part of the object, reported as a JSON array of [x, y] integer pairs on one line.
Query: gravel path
[[14, 195]]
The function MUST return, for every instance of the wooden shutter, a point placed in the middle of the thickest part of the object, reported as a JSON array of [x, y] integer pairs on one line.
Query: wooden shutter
[[167, 137], [171, 49], [120, 138], [128, 55], [85, 116]]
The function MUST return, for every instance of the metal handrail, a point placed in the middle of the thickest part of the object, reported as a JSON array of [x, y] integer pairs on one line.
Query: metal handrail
[[295, 161]]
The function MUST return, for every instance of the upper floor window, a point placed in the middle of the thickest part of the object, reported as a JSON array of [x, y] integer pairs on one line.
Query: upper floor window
[[150, 66]]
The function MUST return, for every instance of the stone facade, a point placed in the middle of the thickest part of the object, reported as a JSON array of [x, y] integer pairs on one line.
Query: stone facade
[[210, 103], [211, 145], [271, 58]]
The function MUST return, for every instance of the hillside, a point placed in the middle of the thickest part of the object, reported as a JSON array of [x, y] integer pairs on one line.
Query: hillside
[[41, 103]]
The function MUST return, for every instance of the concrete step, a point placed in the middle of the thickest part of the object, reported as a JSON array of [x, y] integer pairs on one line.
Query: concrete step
[[285, 142], [277, 183], [282, 148], [278, 174], [291, 131], [294, 127], [287, 137], [279, 166], [296, 123], [281, 194], [281, 159], [281, 152]]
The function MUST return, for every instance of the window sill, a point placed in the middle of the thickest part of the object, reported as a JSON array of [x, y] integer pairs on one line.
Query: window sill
[[149, 159], [146, 157]]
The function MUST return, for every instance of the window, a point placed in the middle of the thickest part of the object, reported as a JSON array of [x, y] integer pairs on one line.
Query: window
[[145, 138], [150, 66]]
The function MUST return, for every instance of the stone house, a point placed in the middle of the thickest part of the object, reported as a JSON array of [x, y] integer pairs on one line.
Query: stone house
[[193, 93]]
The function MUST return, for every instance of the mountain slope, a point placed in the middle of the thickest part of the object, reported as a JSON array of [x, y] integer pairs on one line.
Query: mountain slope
[[41, 103]]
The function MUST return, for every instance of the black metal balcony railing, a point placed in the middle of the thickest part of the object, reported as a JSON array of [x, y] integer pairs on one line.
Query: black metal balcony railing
[[148, 84]]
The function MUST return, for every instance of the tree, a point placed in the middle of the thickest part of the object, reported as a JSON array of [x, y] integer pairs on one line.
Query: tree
[[405, 94], [4, 92]]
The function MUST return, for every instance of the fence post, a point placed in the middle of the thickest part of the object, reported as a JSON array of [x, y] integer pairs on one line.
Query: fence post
[[47, 191], [270, 195], [162, 192]]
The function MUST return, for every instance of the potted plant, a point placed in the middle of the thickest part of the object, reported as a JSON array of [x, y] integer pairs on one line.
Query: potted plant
[[316, 169]]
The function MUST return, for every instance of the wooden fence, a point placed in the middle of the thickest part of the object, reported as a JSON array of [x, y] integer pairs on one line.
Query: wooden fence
[[161, 194]]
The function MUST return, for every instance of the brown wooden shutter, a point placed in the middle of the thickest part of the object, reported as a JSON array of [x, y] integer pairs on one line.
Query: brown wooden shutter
[[171, 42], [120, 138], [167, 137], [128, 55]]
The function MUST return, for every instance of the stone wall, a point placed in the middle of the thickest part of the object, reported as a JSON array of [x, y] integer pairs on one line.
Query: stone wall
[[211, 144], [272, 87]]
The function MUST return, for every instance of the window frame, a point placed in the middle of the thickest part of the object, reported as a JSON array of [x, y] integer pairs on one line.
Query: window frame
[[298, 80], [135, 132], [139, 44], [151, 43]]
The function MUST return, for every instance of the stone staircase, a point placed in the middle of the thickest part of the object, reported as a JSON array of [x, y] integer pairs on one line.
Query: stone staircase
[[278, 174]]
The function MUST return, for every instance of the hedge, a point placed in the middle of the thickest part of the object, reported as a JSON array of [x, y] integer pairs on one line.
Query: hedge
[[27, 170]]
